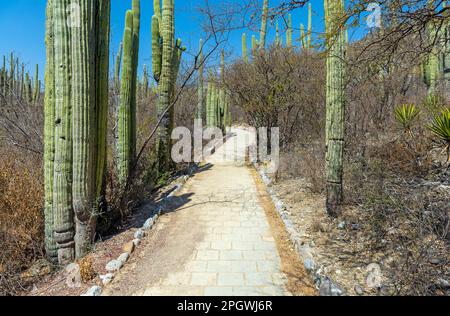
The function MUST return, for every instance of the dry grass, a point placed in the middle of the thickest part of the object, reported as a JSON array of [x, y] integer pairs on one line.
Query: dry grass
[[21, 217]]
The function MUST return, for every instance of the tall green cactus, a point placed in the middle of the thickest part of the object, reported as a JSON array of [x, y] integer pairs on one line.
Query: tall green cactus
[[136, 9], [125, 109], [277, 34], [145, 82], [430, 66], [166, 59], [49, 131], [63, 216], [76, 104], [209, 107], [289, 32], [335, 103], [37, 85], [117, 68], [308, 42], [263, 32], [244, 48], [200, 92]]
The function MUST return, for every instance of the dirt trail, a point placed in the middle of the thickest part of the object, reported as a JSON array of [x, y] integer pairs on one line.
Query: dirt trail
[[219, 238]]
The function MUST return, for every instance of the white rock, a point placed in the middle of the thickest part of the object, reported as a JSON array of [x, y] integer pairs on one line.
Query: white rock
[[124, 257], [107, 278], [139, 234], [93, 291], [148, 224], [136, 242], [114, 265]]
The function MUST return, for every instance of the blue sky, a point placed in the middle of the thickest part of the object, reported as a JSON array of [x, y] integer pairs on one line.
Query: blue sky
[[23, 27]]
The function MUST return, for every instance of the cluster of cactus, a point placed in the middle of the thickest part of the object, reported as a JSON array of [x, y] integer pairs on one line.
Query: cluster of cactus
[[436, 64], [217, 100], [76, 110], [335, 102], [257, 45], [16, 84], [126, 143], [166, 58]]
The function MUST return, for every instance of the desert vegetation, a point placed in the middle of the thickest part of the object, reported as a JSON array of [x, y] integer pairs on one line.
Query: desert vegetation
[[364, 128]]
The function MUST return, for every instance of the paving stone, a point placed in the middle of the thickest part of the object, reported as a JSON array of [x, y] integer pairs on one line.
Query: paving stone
[[219, 266], [231, 279], [203, 279], [207, 255], [231, 255]]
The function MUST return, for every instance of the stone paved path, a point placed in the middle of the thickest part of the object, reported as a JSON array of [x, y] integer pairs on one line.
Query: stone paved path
[[227, 245]]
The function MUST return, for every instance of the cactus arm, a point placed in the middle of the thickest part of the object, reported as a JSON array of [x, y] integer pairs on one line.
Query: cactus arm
[[156, 48]]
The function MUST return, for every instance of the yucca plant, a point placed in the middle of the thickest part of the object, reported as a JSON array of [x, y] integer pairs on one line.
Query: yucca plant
[[440, 127], [406, 114]]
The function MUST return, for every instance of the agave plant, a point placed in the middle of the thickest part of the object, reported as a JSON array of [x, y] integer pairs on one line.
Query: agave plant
[[406, 114], [440, 127]]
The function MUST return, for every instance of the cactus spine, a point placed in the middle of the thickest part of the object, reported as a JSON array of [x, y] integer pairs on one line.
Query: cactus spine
[[335, 103], [263, 32]]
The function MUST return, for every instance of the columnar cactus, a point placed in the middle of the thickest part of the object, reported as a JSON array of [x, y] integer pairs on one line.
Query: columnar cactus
[[124, 154], [136, 9], [209, 108], [49, 140], [117, 68], [200, 92], [277, 34], [166, 59], [37, 85], [145, 82], [289, 32], [335, 103], [244, 48], [263, 32], [76, 98], [430, 66], [306, 38], [63, 217]]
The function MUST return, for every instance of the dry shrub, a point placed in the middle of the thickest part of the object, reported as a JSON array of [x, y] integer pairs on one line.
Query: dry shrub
[[306, 163], [21, 216], [87, 270]]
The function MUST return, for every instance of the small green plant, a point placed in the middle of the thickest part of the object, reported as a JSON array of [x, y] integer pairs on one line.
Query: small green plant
[[406, 114], [440, 127]]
